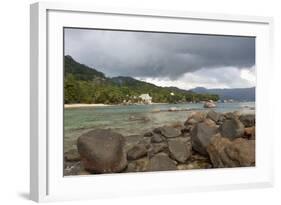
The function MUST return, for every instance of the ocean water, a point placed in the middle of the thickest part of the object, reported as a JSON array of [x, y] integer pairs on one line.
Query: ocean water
[[134, 119]]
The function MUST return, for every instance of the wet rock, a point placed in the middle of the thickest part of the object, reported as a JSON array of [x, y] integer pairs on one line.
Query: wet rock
[[72, 168], [194, 165], [179, 150], [237, 113], [186, 137], [232, 128], [250, 132], [148, 134], [201, 136], [102, 151], [146, 141], [230, 115], [156, 138], [159, 147], [190, 121], [168, 132], [173, 109], [140, 165], [237, 153], [196, 161], [248, 120], [215, 116], [210, 122], [209, 104], [177, 125], [137, 152], [198, 157], [216, 151], [242, 151], [72, 155], [161, 162], [186, 130], [131, 141], [195, 118], [197, 145]]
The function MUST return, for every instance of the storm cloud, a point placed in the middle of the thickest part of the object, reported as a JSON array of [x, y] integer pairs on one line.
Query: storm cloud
[[163, 56]]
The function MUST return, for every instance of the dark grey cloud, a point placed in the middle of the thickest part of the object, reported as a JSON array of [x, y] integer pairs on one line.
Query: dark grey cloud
[[156, 55]]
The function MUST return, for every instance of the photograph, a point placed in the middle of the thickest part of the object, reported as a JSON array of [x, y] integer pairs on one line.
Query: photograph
[[146, 101]]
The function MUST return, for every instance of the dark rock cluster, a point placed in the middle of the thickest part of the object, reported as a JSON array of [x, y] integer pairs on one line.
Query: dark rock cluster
[[206, 140]]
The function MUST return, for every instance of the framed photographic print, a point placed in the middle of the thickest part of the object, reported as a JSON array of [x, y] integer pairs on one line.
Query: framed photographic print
[[127, 102]]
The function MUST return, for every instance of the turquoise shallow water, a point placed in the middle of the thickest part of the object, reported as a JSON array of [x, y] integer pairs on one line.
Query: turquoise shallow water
[[134, 119]]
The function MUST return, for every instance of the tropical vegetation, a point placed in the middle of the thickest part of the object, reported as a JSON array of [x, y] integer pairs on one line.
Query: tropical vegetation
[[83, 84]]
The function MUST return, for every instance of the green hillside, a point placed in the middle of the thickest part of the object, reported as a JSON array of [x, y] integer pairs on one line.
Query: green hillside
[[83, 84]]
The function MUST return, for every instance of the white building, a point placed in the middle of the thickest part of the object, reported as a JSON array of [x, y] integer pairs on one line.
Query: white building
[[145, 98]]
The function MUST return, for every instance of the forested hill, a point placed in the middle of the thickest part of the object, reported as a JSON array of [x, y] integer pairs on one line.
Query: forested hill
[[81, 71], [83, 84]]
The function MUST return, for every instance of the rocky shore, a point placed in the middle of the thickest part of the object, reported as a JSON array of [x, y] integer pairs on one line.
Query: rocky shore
[[205, 140]]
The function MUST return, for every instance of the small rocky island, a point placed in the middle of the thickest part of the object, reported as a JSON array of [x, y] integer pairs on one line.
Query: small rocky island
[[206, 140]]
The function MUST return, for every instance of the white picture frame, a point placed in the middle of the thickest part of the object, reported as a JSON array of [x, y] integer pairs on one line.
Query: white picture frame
[[46, 176]]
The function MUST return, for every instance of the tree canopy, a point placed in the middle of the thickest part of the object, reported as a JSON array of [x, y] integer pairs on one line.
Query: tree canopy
[[83, 84]]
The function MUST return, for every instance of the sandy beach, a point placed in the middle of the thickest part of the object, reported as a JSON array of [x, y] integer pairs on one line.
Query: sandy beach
[[84, 105], [78, 105]]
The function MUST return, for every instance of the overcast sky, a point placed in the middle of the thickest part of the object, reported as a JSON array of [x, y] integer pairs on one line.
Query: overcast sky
[[181, 60]]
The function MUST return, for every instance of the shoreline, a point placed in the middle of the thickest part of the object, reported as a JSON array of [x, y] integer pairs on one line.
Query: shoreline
[[78, 105], [81, 105], [229, 141]]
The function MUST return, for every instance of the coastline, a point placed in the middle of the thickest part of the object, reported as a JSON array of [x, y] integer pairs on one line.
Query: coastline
[[79, 105], [229, 141]]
